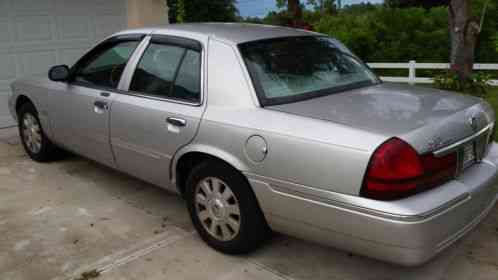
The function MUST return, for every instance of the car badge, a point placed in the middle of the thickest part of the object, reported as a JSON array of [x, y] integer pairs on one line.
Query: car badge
[[473, 121]]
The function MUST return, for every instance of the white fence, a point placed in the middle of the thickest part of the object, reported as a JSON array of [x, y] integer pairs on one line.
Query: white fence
[[412, 67]]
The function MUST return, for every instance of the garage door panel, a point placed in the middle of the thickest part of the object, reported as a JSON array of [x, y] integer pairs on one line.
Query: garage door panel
[[110, 7], [33, 28], [5, 87], [4, 7], [4, 31], [36, 34], [32, 7], [106, 25], [70, 56], [73, 27], [74, 7], [37, 63], [7, 67]]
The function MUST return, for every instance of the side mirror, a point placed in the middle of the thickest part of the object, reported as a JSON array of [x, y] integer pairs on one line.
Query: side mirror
[[59, 73]]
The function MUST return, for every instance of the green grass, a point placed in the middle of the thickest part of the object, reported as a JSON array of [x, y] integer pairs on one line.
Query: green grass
[[492, 98]]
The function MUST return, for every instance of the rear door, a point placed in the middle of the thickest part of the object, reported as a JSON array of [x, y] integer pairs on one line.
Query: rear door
[[81, 107], [159, 109]]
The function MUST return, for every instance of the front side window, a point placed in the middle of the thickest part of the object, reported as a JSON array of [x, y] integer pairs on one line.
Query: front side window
[[168, 71], [291, 69], [105, 66]]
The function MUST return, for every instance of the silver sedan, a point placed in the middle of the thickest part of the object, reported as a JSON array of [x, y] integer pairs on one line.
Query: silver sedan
[[265, 128]]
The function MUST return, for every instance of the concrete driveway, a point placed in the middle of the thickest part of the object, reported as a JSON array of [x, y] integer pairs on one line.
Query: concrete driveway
[[74, 217]]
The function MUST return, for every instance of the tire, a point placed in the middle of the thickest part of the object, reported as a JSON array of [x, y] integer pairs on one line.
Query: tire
[[234, 190], [35, 142]]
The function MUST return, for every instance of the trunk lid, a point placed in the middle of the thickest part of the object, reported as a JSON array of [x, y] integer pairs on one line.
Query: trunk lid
[[428, 119]]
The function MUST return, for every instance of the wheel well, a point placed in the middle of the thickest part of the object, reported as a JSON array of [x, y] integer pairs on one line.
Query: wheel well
[[189, 161], [21, 100]]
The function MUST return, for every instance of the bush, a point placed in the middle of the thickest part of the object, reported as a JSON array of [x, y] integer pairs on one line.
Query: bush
[[496, 41], [396, 35], [379, 34], [477, 85]]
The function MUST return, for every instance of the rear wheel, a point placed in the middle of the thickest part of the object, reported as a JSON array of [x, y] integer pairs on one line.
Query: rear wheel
[[35, 142], [224, 209]]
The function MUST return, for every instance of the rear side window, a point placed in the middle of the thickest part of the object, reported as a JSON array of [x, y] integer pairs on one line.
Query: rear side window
[[168, 71], [187, 84]]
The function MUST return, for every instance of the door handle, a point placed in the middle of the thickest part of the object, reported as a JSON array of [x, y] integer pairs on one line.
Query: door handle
[[101, 105], [105, 94], [176, 121]]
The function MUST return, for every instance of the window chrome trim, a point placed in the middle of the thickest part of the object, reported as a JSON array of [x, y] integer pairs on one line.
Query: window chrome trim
[[453, 147], [157, 98]]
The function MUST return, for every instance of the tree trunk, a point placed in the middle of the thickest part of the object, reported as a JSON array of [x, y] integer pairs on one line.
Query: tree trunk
[[464, 31], [294, 8]]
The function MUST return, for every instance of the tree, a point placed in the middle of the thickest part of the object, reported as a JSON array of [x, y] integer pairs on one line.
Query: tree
[[416, 3], [496, 41], [323, 6], [464, 34], [202, 10], [294, 7], [464, 28]]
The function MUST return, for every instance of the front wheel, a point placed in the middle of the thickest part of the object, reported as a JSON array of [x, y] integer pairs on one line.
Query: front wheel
[[224, 210], [35, 142]]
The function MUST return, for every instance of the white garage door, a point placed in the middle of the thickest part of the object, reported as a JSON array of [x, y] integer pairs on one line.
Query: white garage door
[[36, 34]]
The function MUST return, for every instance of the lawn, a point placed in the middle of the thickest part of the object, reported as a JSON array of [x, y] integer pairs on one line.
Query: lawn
[[492, 98]]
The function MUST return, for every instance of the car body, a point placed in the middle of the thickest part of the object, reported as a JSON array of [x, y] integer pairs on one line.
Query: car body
[[305, 160]]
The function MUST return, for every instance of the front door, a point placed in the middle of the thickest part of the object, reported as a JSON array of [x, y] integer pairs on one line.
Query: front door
[[161, 110], [81, 109]]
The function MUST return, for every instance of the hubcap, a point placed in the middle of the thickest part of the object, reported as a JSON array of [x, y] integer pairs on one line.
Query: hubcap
[[31, 133], [217, 209]]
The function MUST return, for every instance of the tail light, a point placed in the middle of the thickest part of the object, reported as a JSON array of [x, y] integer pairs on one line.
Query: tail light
[[396, 171]]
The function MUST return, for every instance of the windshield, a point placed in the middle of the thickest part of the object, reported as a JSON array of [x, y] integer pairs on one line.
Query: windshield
[[292, 69]]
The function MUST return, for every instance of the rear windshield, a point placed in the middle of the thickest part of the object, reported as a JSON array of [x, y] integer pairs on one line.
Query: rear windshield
[[292, 69]]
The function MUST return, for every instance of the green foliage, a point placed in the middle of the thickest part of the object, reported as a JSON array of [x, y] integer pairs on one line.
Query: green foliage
[[278, 18], [487, 50], [323, 6], [415, 3], [377, 33], [202, 11], [492, 98], [380, 34], [496, 41], [477, 85], [181, 13], [281, 3]]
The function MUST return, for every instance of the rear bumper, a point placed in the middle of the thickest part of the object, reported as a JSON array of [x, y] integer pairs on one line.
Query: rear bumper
[[408, 232]]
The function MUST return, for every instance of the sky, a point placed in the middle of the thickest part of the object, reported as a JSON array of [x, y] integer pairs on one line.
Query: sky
[[259, 8]]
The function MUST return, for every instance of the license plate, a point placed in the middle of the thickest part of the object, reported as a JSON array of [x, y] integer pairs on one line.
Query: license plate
[[468, 155]]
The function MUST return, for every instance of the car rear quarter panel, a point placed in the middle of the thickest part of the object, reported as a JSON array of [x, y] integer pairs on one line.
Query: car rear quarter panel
[[312, 153], [301, 150]]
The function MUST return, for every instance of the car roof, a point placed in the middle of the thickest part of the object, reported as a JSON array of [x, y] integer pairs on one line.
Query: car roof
[[235, 33]]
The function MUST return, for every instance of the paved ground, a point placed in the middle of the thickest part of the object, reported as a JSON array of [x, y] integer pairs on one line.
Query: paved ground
[[62, 219]]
